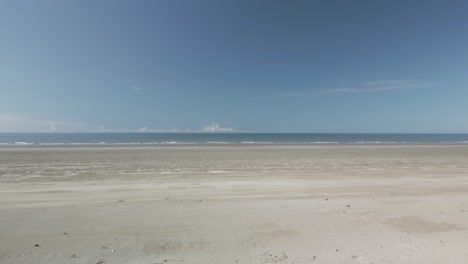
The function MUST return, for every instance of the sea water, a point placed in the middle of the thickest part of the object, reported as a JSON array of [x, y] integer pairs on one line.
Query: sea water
[[83, 139]]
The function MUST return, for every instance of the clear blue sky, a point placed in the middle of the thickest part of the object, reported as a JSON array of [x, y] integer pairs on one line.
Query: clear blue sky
[[258, 66]]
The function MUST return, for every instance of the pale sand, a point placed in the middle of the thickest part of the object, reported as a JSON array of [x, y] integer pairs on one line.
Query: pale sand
[[265, 204]]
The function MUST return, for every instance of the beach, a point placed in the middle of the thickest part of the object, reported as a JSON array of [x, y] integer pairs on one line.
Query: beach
[[234, 204]]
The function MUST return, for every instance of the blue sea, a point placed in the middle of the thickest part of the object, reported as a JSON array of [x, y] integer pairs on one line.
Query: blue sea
[[110, 139]]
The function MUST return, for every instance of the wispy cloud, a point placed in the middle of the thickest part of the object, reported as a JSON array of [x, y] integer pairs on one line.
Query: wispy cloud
[[463, 123], [15, 123], [136, 88], [368, 87], [389, 85]]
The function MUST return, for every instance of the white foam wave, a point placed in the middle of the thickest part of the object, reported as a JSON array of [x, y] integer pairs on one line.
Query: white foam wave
[[22, 143]]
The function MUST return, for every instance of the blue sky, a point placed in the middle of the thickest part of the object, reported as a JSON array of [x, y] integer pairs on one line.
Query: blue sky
[[257, 66]]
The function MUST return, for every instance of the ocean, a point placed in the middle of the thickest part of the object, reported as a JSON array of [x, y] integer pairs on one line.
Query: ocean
[[105, 139]]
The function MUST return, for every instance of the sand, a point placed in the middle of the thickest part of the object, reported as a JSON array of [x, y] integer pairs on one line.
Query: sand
[[234, 204]]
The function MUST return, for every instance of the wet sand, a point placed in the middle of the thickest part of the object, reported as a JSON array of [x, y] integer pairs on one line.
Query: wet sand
[[234, 204]]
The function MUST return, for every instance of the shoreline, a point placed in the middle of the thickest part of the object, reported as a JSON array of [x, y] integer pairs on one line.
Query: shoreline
[[112, 145]]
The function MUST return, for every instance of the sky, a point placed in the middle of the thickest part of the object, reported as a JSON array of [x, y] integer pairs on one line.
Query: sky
[[245, 65]]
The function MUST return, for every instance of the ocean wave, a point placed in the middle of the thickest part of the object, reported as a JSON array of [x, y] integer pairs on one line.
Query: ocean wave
[[163, 143], [23, 143]]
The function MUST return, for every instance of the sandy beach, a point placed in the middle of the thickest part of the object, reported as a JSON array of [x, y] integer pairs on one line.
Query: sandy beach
[[234, 204]]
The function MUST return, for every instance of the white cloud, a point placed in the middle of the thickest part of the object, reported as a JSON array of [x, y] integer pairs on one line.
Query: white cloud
[[136, 88], [14, 123], [213, 128], [151, 130], [369, 87], [178, 130], [53, 128], [216, 128]]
